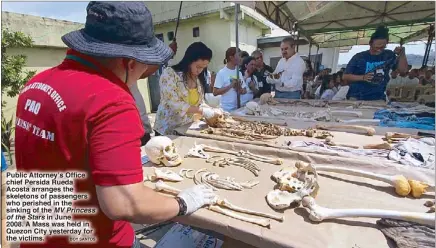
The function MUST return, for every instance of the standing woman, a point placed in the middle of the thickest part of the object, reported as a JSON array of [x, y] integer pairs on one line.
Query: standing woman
[[248, 68], [225, 81], [181, 91]]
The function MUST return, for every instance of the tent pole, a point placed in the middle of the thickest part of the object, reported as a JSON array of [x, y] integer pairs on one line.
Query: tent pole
[[428, 46], [238, 93]]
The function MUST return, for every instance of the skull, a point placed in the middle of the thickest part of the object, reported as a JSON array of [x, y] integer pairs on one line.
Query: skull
[[267, 98], [218, 121], [162, 151], [252, 108]]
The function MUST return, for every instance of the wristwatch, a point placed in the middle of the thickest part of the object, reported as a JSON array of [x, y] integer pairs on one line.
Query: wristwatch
[[182, 206]]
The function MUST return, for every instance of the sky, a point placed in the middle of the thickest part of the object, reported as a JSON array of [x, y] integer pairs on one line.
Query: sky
[[76, 12]]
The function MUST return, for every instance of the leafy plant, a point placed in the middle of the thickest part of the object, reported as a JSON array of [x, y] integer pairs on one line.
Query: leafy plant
[[8, 129], [13, 77]]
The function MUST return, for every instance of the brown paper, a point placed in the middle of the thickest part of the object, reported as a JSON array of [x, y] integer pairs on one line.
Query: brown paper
[[336, 191]]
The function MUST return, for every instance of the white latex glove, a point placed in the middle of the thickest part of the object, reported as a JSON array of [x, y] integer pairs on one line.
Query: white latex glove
[[196, 197], [208, 112]]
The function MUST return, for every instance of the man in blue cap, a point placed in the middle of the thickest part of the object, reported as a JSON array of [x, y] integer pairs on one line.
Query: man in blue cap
[[80, 116]]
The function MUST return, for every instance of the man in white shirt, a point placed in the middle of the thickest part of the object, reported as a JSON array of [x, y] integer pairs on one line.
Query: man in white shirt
[[291, 68]]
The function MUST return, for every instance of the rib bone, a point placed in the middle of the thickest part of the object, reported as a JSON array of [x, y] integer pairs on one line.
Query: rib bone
[[318, 213], [370, 131], [403, 187]]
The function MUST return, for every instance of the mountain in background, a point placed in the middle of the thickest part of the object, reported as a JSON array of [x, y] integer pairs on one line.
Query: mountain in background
[[413, 59]]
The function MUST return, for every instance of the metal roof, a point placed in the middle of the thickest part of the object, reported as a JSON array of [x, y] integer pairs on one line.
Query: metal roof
[[345, 23]]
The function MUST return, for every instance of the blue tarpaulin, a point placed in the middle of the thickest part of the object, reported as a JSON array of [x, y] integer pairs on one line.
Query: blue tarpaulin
[[388, 118], [4, 164]]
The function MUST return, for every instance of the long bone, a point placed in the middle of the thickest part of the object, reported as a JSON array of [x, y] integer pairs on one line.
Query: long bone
[[161, 186], [403, 187], [394, 135], [318, 213], [370, 131], [383, 146], [245, 154], [330, 142], [346, 113]]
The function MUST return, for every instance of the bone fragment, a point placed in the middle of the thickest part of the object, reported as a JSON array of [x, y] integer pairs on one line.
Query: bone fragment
[[329, 142], [394, 135], [382, 146], [161, 186], [346, 113], [403, 187], [184, 173], [370, 131], [164, 174], [318, 213], [257, 221], [227, 204]]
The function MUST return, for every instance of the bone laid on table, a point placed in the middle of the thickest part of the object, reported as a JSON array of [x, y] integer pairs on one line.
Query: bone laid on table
[[161, 186], [318, 213], [370, 131]]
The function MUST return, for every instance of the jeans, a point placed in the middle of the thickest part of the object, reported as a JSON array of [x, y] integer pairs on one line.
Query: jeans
[[288, 95]]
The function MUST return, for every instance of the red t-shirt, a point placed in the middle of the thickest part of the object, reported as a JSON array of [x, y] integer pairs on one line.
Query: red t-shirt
[[79, 116]]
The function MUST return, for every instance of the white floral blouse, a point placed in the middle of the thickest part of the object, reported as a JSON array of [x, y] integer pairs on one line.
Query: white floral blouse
[[174, 103]]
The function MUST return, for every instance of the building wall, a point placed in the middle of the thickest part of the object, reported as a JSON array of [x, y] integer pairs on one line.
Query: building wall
[[248, 35], [163, 11], [330, 56]]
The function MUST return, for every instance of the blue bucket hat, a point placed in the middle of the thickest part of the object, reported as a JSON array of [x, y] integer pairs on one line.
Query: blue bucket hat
[[119, 30]]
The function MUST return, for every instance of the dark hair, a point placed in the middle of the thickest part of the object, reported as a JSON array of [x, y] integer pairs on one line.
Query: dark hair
[[195, 51], [340, 74], [325, 82], [381, 33], [231, 51], [289, 40], [244, 54], [245, 62]]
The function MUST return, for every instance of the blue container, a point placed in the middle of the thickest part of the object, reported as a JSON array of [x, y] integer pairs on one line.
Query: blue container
[[4, 164]]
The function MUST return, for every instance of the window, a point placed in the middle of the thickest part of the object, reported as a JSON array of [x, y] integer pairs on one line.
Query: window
[[196, 32], [170, 35], [160, 37]]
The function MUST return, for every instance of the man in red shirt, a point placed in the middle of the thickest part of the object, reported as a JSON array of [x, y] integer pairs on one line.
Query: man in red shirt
[[80, 116]]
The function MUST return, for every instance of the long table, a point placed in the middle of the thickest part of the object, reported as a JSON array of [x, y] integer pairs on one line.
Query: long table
[[336, 191]]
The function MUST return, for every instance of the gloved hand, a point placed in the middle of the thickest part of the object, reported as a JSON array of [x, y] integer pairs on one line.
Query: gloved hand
[[196, 197], [208, 112]]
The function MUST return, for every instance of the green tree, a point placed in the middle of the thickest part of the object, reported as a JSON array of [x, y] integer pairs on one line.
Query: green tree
[[13, 79], [13, 74]]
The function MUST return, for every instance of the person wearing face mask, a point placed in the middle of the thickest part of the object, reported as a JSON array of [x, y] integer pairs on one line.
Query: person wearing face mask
[[80, 116], [226, 84], [247, 69], [182, 91], [290, 68], [368, 71]]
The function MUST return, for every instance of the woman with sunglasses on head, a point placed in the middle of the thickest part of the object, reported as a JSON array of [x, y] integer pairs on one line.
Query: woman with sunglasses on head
[[182, 91], [248, 68]]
